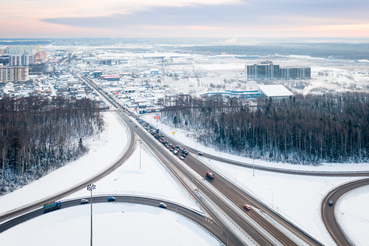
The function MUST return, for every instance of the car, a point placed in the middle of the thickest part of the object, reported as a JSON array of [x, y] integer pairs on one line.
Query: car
[[200, 153], [177, 146], [175, 152], [247, 206], [330, 203], [83, 201], [111, 199], [210, 174], [183, 155], [162, 205], [136, 126], [182, 158]]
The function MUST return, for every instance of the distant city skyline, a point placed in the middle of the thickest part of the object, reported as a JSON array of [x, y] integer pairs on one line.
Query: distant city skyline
[[183, 18]]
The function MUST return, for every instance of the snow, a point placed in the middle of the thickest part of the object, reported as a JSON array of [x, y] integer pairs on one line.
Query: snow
[[275, 90], [298, 198], [186, 137], [103, 153], [152, 180], [352, 215], [64, 227], [119, 222]]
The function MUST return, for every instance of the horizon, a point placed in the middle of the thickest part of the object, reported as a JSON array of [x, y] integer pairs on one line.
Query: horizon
[[184, 19]]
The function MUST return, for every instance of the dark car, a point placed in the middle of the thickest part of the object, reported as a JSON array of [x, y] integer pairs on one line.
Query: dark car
[[200, 153], [330, 203], [162, 205], [111, 199], [210, 174]]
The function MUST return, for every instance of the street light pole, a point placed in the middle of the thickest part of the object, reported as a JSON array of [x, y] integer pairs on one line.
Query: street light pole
[[272, 198], [91, 187], [140, 153]]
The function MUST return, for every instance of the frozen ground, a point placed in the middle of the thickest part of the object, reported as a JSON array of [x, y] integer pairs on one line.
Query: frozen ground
[[160, 227], [353, 216], [187, 138], [103, 153], [113, 224], [151, 180], [298, 198]]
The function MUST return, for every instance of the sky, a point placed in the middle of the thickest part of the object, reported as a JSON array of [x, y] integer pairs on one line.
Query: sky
[[183, 18]]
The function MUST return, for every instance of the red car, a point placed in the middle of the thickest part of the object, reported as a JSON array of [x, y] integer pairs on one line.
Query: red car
[[210, 174], [247, 206]]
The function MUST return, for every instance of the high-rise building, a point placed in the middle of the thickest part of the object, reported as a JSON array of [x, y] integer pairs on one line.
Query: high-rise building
[[14, 74], [268, 71], [41, 56], [21, 60]]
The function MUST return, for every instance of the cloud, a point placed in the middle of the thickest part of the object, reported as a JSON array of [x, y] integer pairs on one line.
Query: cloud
[[262, 13]]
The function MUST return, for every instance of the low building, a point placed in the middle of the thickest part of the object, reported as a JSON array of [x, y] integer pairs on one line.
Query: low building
[[275, 91], [115, 77]]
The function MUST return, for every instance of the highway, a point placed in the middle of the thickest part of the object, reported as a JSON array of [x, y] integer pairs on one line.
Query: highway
[[327, 211], [77, 187], [273, 169], [233, 193], [196, 217], [239, 198], [226, 188]]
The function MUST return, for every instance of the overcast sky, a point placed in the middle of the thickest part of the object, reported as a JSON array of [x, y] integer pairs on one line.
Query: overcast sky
[[184, 18]]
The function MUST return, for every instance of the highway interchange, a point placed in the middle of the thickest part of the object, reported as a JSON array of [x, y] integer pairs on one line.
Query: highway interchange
[[193, 171]]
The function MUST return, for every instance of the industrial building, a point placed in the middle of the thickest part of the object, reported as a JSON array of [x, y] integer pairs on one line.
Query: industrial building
[[275, 91], [266, 70], [14, 74], [115, 77]]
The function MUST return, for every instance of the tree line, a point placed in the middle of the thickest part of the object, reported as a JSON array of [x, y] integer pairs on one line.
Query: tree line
[[40, 135], [306, 129]]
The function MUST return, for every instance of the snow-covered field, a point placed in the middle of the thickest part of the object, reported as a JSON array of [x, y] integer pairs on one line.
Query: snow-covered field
[[298, 198], [71, 226], [353, 216], [186, 137], [152, 180], [113, 224], [103, 153]]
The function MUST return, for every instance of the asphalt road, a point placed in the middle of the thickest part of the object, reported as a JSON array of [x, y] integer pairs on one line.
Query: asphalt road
[[231, 192], [199, 219], [273, 169], [226, 188], [327, 211], [79, 186]]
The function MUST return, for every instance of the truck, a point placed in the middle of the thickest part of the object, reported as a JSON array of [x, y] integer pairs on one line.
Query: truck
[[52, 206]]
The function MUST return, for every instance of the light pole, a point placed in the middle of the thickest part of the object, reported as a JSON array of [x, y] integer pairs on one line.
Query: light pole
[[140, 153], [253, 163], [272, 198], [91, 187], [228, 229]]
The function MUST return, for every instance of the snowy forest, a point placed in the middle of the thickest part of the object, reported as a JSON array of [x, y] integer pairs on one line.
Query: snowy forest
[[41, 135], [301, 129]]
